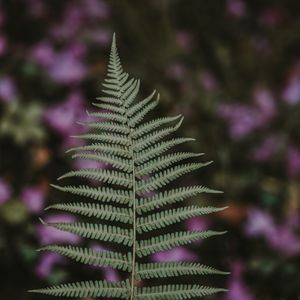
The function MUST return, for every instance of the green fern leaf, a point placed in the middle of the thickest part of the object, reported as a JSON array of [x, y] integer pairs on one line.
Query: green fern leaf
[[175, 292], [171, 216], [101, 194], [87, 289], [139, 160], [91, 257], [97, 232], [99, 211], [172, 240], [172, 269]]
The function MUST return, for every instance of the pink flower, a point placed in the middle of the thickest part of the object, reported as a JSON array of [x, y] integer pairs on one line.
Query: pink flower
[[266, 149], [8, 90], [242, 119], [176, 254], [67, 69], [97, 9], [291, 91], [285, 241], [184, 40], [236, 8], [63, 116], [33, 198], [237, 289], [271, 17], [43, 54], [46, 263], [197, 223], [3, 45], [5, 191], [50, 235], [264, 100], [259, 223], [176, 71], [209, 81], [111, 275], [293, 161]]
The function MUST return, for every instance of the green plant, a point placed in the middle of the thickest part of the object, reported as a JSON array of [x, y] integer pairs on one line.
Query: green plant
[[141, 163]]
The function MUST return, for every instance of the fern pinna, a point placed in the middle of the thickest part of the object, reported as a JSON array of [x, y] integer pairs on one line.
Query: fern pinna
[[132, 196]]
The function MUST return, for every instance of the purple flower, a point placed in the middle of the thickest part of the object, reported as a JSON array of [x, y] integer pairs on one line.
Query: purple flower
[[46, 263], [176, 254], [50, 235], [33, 198], [97, 9], [89, 164], [72, 22], [259, 223], [242, 119], [36, 7], [3, 45], [236, 8], [271, 17], [197, 223], [5, 191], [8, 91], [184, 40], [266, 149], [236, 286], [176, 71], [209, 81], [100, 36], [291, 91], [111, 275], [67, 69], [280, 237], [265, 101], [293, 161], [63, 117], [43, 54], [285, 241], [237, 290]]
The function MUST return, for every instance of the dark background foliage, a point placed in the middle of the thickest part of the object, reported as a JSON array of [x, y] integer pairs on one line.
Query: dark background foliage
[[231, 67]]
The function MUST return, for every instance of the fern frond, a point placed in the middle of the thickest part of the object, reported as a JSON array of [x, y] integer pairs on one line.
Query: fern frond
[[110, 107], [164, 177], [114, 161], [150, 139], [104, 212], [92, 257], [112, 177], [102, 194], [163, 162], [111, 127], [172, 269], [156, 150], [171, 216], [171, 240], [103, 148], [108, 116], [88, 289], [175, 292], [170, 197], [140, 105], [138, 117], [130, 93], [138, 160], [110, 100], [104, 138], [97, 232], [152, 125]]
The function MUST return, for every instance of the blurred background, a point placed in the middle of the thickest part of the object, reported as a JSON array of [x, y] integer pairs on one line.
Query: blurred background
[[231, 67]]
